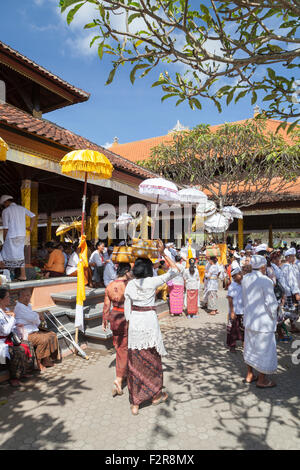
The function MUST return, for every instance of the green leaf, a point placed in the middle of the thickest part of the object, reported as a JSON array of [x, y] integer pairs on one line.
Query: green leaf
[[271, 73], [132, 17], [72, 13], [100, 49], [64, 4], [254, 97], [111, 76], [135, 68], [229, 97], [240, 95]]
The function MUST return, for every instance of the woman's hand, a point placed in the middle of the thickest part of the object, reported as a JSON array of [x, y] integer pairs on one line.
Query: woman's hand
[[160, 247], [104, 325]]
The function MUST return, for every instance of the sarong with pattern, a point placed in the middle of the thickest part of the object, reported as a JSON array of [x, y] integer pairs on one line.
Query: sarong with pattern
[[145, 375], [19, 363], [176, 293], [192, 301], [235, 331], [212, 300], [46, 344], [118, 325]]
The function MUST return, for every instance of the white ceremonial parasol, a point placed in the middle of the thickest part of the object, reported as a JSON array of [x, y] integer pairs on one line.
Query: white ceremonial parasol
[[191, 196], [123, 220], [232, 212], [206, 209], [161, 189], [216, 223]]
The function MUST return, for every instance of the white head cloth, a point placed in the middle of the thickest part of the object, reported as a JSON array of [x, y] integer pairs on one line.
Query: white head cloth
[[258, 261], [262, 247], [291, 251], [4, 198], [236, 271]]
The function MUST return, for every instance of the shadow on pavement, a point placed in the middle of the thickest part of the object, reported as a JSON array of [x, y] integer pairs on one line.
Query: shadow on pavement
[[22, 426], [204, 370]]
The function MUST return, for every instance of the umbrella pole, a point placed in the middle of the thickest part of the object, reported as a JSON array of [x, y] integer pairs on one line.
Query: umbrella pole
[[82, 230], [155, 213]]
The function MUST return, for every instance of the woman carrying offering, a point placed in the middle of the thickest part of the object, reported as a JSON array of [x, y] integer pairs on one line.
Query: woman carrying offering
[[145, 344], [114, 295]]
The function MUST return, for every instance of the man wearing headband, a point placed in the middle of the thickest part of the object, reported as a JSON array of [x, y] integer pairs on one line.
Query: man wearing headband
[[235, 330], [260, 322], [291, 285]]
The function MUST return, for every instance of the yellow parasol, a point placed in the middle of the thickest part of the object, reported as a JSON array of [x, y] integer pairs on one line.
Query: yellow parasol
[[84, 164], [3, 150]]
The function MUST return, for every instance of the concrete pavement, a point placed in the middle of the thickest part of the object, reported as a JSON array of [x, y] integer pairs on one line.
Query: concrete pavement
[[71, 407]]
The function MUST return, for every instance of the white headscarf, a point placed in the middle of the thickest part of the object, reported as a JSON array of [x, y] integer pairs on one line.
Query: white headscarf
[[258, 261]]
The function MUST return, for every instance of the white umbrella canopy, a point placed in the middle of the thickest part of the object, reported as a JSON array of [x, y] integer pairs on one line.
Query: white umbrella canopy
[[159, 188], [206, 209], [192, 196], [232, 212], [216, 223], [123, 220]]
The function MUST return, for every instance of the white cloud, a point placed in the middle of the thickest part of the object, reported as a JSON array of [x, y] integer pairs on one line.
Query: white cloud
[[107, 145]]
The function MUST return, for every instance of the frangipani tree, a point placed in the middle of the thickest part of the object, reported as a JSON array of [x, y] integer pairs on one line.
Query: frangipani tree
[[238, 164]]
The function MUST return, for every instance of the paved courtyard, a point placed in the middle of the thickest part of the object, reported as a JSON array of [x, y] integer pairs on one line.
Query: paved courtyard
[[71, 407]]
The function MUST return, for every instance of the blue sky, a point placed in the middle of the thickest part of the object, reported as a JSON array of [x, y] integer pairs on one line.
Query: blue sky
[[131, 112]]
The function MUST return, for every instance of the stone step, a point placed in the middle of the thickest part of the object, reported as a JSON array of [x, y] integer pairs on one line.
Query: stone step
[[93, 296], [97, 338]]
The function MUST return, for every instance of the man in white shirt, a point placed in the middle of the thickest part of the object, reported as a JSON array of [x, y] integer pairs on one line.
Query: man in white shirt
[[14, 234], [260, 323], [44, 342]]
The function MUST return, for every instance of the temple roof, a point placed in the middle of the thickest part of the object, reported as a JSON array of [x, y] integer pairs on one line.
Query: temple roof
[[30, 86], [21, 121], [141, 149]]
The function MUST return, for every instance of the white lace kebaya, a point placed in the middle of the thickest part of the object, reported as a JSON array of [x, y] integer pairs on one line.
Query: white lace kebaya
[[144, 331]]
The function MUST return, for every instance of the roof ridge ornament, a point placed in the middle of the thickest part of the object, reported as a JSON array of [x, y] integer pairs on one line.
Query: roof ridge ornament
[[178, 127]]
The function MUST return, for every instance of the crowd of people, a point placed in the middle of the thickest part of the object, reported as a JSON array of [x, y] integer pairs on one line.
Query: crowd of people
[[263, 292]]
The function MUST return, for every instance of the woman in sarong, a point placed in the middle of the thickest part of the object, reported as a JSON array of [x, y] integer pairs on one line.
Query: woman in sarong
[[145, 344], [176, 290], [18, 358], [114, 295], [192, 285]]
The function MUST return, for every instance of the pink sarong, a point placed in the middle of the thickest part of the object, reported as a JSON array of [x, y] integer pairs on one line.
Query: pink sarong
[[176, 296]]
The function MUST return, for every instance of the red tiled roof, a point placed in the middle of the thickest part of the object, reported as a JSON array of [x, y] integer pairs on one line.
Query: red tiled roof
[[141, 149], [81, 94], [21, 120]]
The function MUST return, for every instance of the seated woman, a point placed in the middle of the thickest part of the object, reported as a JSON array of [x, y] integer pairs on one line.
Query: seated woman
[[45, 342], [18, 358], [55, 267], [71, 269]]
